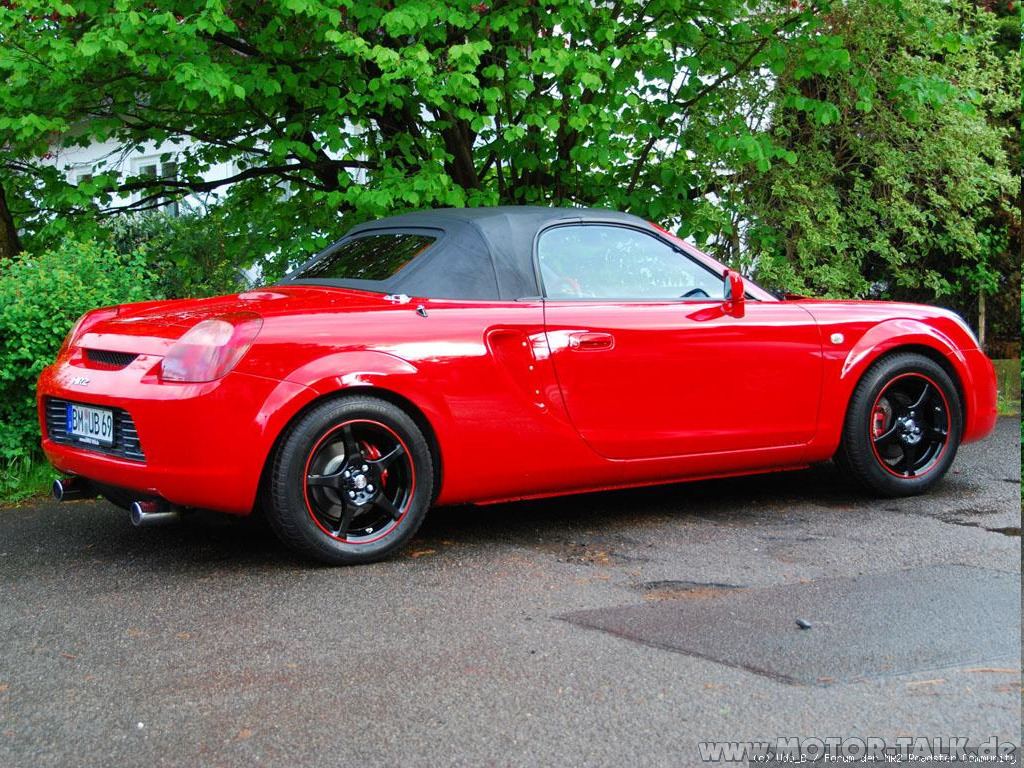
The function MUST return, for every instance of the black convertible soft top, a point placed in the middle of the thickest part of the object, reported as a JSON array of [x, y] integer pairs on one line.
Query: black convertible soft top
[[480, 253]]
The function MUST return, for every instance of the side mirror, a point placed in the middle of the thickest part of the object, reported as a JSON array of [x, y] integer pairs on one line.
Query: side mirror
[[735, 289]]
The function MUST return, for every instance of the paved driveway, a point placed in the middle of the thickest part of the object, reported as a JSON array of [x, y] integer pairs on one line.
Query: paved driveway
[[609, 629]]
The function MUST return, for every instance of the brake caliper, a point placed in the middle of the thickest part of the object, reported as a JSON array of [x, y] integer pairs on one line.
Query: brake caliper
[[880, 419]]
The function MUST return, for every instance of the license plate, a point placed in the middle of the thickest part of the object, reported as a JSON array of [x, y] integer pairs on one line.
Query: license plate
[[91, 425]]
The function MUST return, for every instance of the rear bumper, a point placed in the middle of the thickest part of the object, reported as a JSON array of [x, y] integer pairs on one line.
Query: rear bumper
[[980, 395], [205, 445]]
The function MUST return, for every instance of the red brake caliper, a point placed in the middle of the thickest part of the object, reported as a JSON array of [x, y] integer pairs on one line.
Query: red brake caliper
[[878, 418], [373, 453]]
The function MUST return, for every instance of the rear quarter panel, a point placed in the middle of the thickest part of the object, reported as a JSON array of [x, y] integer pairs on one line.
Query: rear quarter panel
[[478, 371]]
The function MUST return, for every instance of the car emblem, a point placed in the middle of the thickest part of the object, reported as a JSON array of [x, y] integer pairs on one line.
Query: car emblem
[[79, 381]]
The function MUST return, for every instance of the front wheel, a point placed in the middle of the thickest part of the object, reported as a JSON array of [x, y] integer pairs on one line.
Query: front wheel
[[351, 481], [903, 426]]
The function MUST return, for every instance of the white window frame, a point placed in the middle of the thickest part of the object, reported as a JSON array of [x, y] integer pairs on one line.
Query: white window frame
[[160, 167]]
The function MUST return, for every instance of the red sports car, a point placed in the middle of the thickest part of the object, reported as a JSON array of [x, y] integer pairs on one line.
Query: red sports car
[[484, 355]]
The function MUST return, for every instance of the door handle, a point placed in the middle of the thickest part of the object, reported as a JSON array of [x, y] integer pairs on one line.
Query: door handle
[[591, 342]]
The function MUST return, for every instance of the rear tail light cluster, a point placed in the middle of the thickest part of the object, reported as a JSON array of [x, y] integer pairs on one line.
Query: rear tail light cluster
[[211, 348]]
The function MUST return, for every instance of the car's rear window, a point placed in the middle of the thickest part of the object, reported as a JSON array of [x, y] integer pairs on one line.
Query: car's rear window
[[370, 257]]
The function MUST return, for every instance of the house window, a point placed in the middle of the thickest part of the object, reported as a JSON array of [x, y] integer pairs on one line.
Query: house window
[[155, 169], [79, 174]]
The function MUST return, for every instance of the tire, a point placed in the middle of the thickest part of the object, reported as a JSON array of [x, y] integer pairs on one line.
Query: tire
[[903, 426], [351, 481]]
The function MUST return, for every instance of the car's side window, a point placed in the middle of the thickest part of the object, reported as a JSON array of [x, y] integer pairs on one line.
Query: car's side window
[[597, 261]]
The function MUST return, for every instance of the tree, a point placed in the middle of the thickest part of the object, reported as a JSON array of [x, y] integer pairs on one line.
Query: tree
[[10, 243], [911, 189], [358, 108]]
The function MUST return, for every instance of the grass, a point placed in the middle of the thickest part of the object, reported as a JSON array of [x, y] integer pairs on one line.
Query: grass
[[25, 478], [1007, 407]]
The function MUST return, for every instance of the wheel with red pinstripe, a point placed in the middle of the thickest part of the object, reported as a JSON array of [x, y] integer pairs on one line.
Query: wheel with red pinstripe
[[902, 427], [351, 481]]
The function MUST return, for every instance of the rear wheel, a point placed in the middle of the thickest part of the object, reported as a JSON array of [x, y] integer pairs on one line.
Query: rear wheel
[[903, 426], [351, 482]]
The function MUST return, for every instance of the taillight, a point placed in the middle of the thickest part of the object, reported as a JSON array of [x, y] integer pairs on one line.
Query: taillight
[[85, 322], [211, 348]]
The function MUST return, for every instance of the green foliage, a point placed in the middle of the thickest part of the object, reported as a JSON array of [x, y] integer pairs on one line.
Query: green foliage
[[860, 148], [336, 112], [40, 299], [24, 477], [189, 255], [910, 192]]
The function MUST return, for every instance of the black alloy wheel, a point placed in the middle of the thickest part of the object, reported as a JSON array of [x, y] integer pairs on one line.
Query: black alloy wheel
[[903, 426], [360, 481], [351, 481], [910, 425]]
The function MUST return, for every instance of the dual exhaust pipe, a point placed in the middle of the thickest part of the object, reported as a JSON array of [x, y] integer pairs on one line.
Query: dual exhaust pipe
[[73, 489], [152, 513], [143, 513]]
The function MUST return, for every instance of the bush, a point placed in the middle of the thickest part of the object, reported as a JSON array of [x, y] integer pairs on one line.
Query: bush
[[23, 478], [41, 296], [191, 255]]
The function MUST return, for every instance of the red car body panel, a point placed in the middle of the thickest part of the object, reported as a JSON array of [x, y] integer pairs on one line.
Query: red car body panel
[[520, 398], [707, 384]]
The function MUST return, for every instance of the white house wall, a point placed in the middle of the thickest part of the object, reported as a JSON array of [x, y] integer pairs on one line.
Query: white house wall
[[101, 157]]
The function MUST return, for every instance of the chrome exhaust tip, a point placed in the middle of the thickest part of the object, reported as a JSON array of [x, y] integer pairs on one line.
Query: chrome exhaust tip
[[72, 489], [150, 513]]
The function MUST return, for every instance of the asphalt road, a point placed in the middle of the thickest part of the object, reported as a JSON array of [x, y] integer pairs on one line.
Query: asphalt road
[[609, 629]]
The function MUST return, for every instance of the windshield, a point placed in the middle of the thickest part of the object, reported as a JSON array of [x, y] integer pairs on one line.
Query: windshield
[[371, 257]]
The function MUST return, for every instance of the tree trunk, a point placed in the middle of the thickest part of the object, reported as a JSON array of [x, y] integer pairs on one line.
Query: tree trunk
[[10, 244]]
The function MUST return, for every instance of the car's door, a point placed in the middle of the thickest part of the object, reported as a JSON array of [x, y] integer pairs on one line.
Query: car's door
[[648, 363]]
